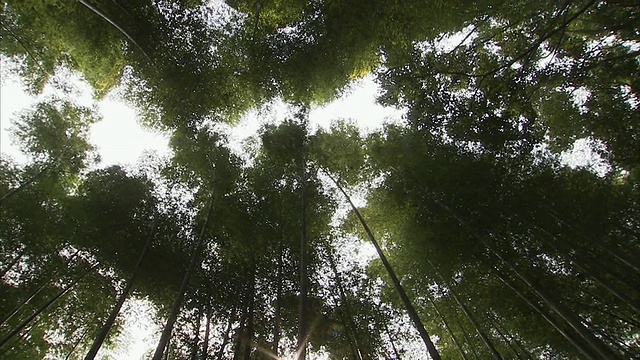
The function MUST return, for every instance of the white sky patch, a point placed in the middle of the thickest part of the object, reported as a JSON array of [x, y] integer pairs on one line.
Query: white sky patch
[[580, 96], [119, 138], [359, 105], [461, 38], [139, 334], [12, 99], [584, 154]]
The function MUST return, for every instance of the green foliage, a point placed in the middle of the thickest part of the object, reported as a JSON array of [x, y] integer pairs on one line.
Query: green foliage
[[552, 222], [57, 130], [463, 196], [49, 34], [271, 15], [542, 74], [339, 151]]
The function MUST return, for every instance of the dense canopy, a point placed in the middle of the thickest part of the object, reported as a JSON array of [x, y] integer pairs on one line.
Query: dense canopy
[[474, 239]]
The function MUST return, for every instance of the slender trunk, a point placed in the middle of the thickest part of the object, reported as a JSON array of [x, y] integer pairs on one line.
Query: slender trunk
[[304, 276], [502, 334], [277, 321], [605, 284], [207, 333], [603, 308], [485, 339], [75, 344], [226, 335], [9, 352], [569, 317], [173, 315], [104, 330], [36, 292], [237, 346], [468, 340], [393, 343], [26, 49], [572, 320], [630, 283], [510, 339], [13, 262], [596, 275], [606, 249], [569, 337], [39, 311], [622, 348], [168, 352], [122, 8], [411, 311], [449, 330], [523, 349], [35, 177], [345, 302], [248, 336], [352, 345], [113, 23], [196, 337]]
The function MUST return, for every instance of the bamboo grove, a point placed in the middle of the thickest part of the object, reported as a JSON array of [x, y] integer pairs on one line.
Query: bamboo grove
[[487, 243]]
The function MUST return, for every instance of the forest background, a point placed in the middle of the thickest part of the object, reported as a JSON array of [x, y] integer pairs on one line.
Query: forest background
[[487, 244]]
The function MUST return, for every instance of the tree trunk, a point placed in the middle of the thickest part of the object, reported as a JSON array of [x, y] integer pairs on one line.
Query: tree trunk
[[226, 335], [6, 352], [345, 302], [393, 343], [207, 333], [468, 340], [238, 343], [449, 330], [572, 320], [569, 317], [485, 339], [277, 321], [39, 311], [622, 348], [605, 284], [596, 275], [247, 340], [13, 262], [121, 8], [606, 249], [503, 335], [579, 345], [196, 338], [115, 25], [36, 292], [75, 344], [35, 177], [352, 345], [168, 352], [303, 327], [411, 311], [104, 330], [173, 315]]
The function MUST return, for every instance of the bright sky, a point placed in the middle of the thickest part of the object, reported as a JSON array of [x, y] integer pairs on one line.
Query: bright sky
[[121, 140]]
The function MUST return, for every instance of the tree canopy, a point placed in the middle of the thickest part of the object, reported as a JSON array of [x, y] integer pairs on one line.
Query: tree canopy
[[486, 243]]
